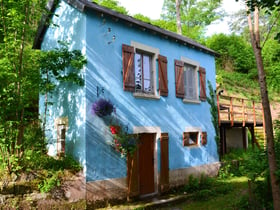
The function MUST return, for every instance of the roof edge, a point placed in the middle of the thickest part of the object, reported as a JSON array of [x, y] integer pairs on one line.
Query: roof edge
[[177, 37], [83, 5]]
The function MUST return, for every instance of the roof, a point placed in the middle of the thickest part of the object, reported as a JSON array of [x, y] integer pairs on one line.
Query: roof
[[84, 5]]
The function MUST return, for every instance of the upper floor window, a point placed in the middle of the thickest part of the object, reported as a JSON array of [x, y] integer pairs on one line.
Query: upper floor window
[[188, 86], [140, 65], [190, 75], [143, 73]]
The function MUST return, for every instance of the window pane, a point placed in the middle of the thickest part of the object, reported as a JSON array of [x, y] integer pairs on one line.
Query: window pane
[[143, 75], [147, 73], [190, 82], [138, 71], [193, 138]]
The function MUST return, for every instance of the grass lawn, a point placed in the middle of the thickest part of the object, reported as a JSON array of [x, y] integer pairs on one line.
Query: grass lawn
[[226, 195]]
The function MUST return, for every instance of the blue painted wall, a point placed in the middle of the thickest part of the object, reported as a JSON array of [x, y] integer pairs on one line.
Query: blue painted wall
[[68, 100], [88, 136], [104, 70]]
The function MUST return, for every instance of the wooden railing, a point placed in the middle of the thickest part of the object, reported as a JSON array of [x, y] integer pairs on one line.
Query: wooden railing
[[239, 110]]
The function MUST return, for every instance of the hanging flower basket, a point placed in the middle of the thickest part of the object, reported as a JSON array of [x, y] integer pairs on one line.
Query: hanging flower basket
[[123, 142], [102, 107]]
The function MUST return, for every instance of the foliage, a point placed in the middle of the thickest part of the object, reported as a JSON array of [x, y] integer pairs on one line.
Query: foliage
[[195, 16], [268, 4], [59, 66], [102, 107], [236, 54], [53, 180], [112, 4], [123, 142], [36, 160], [239, 84], [271, 52], [19, 76], [212, 101]]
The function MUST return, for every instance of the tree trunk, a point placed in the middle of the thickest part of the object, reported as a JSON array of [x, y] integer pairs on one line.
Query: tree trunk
[[255, 41], [178, 17]]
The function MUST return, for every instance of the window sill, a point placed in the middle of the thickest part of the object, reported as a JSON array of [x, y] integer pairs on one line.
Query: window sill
[[194, 101], [146, 96], [192, 146]]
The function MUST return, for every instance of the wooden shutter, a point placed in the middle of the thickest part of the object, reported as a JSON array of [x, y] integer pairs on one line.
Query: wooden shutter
[[132, 174], [164, 162], [202, 82], [128, 68], [186, 138], [162, 75], [179, 78], [204, 138]]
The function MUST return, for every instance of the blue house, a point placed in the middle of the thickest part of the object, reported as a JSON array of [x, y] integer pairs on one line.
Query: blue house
[[155, 81]]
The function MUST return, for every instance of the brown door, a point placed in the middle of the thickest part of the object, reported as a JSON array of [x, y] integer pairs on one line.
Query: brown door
[[146, 163]]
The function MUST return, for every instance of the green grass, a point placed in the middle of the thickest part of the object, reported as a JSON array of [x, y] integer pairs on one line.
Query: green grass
[[226, 194]]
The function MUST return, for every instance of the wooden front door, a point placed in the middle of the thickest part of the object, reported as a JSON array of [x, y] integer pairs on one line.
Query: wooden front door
[[146, 163]]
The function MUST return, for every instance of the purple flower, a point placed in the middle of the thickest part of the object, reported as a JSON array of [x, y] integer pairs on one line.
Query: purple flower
[[102, 107]]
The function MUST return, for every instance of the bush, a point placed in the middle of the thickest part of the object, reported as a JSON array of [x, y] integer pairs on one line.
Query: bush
[[53, 180]]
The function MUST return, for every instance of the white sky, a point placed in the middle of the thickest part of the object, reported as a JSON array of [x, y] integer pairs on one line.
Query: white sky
[[152, 9]]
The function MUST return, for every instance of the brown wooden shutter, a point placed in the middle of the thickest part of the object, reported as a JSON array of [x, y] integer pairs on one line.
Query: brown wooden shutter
[[186, 138], [202, 82], [132, 174], [179, 78], [162, 75], [164, 163], [128, 68], [204, 138]]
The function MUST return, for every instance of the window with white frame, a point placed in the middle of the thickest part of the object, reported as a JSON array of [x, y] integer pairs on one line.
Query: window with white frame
[[143, 73], [190, 80], [141, 63]]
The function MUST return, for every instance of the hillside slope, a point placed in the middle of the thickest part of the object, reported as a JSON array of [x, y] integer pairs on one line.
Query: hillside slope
[[246, 86]]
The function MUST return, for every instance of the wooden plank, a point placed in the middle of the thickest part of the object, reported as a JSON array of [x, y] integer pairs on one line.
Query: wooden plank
[[164, 162]]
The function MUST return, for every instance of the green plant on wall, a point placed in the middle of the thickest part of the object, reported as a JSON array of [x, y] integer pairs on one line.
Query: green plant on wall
[[212, 101], [58, 66]]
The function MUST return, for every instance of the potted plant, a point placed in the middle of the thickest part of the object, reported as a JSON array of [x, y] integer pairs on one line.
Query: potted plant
[[122, 141], [102, 107]]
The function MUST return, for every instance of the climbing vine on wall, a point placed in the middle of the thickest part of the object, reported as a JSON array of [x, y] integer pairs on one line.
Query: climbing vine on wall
[[212, 101]]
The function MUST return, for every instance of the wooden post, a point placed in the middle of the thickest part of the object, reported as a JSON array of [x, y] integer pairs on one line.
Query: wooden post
[[264, 132], [218, 107], [243, 113], [223, 148], [254, 114], [231, 112], [244, 138]]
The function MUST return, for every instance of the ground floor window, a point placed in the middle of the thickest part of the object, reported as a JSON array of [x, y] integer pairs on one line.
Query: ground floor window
[[190, 138]]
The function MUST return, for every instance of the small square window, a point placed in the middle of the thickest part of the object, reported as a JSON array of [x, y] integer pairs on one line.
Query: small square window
[[190, 138]]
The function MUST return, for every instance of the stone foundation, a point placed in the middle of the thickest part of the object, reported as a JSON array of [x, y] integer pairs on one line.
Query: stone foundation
[[180, 177], [106, 189], [116, 189]]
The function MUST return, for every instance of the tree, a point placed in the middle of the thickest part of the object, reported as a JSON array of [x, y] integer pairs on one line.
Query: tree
[[19, 74], [112, 4], [256, 45], [178, 16], [194, 15], [20, 78], [235, 53]]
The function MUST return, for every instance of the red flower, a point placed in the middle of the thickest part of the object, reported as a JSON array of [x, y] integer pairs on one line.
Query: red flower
[[114, 129]]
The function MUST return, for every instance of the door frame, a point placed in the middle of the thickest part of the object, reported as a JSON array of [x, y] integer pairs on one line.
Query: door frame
[[157, 131]]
